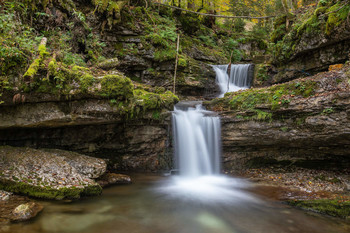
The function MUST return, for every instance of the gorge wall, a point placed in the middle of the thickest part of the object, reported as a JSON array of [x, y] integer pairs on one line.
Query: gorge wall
[[304, 122], [92, 127]]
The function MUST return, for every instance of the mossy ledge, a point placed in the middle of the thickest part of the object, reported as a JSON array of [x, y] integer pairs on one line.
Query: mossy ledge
[[262, 103], [48, 192], [335, 208]]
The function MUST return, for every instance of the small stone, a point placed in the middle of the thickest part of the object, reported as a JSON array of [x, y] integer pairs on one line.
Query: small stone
[[112, 178], [26, 211]]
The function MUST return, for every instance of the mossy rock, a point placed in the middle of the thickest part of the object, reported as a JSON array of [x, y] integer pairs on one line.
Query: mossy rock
[[336, 208], [48, 174], [48, 192], [190, 23], [116, 86]]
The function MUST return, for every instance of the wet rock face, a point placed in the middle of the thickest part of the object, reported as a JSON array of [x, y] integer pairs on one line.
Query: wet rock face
[[315, 51], [89, 126], [50, 175], [195, 78], [133, 146], [309, 132]]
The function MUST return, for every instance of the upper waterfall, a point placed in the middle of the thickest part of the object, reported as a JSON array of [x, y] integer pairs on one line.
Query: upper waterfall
[[238, 80]]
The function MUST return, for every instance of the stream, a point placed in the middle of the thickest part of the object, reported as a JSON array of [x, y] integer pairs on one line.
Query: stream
[[143, 207]]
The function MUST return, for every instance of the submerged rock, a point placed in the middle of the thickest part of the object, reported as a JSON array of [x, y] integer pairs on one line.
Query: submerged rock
[[26, 211], [16, 208], [112, 178], [49, 174]]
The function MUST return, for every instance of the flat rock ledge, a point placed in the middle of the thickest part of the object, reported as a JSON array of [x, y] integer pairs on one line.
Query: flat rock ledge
[[49, 174]]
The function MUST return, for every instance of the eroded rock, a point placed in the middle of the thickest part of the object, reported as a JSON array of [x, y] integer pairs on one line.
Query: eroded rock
[[49, 175]]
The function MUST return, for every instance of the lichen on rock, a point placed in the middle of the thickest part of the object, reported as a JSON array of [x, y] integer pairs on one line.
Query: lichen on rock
[[49, 175]]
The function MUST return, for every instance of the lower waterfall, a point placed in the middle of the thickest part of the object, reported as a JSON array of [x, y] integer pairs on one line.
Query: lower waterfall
[[197, 152], [196, 141]]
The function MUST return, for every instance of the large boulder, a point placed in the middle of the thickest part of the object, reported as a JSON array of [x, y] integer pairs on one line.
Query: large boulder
[[51, 175]]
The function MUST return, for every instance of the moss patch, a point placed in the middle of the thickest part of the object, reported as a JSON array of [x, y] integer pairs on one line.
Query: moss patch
[[274, 97], [336, 208], [115, 86], [47, 192]]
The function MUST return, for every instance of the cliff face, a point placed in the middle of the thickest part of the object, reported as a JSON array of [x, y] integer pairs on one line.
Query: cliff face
[[92, 126], [305, 122], [308, 42]]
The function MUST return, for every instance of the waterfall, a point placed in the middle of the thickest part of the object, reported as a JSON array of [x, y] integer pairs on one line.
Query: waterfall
[[238, 80], [196, 141]]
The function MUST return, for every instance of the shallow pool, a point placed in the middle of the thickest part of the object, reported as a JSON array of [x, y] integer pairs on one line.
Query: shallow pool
[[154, 204]]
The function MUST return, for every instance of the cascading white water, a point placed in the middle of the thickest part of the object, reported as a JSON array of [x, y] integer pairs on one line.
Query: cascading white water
[[196, 141], [197, 145], [238, 79]]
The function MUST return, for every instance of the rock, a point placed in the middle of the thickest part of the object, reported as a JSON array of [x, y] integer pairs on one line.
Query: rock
[[308, 131], [112, 178], [310, 51], [200, 56], [109, 64], [26, 211], [85, 165], [49, 175], [4, 196], [17, 208]]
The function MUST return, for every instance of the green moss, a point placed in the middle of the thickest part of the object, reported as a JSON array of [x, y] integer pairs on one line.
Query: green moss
[[151, 101], [32, 70], [156, 115], [111, 9], [47, 192], [278, 33], [92, 190], [52, 67], [108, 64], [42, 51], [115, 86], [272, 97], [336, 208], [190, 22], [182, 62], [34, 67], [162, 55], [86, 81], [261, 74], [157, 40], [262, 115], [336, 18]]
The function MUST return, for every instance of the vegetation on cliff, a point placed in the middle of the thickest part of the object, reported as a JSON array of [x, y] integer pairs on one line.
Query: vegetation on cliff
[[325, 18], [265, 103]]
